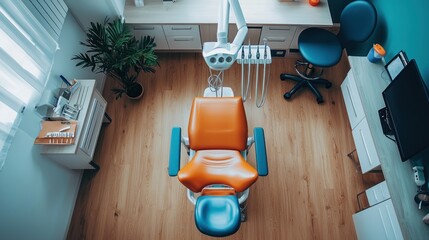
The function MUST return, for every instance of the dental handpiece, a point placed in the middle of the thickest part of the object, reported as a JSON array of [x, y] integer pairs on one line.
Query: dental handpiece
[[258, 55], [242, 52]]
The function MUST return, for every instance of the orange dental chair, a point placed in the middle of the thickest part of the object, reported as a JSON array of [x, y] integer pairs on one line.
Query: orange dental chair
[[217, 147]]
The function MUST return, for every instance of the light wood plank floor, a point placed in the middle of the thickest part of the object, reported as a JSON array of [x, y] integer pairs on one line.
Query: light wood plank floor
[[310, 192]]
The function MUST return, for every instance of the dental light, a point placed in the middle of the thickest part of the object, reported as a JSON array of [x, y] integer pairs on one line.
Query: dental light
[[221, 55]]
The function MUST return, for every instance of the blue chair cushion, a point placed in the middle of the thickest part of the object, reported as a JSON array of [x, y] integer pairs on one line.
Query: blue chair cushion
[[358, 20], [320, 47], [217, 216]]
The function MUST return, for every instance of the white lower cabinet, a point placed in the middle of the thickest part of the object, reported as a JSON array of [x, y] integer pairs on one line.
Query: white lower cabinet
[[365, 147], [277, 37], [80, 154], [352, 100], [378, 222], [170, 37], [183, 37]]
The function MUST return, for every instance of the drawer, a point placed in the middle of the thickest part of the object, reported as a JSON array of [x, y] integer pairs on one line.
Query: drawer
[[377, 193], [181, 30], [365, 147], [278, 37], [352, 100], [184, 42], [154, 31], [183, 37]]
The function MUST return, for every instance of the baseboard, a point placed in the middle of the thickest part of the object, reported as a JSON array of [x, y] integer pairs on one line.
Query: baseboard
[[76, 193]]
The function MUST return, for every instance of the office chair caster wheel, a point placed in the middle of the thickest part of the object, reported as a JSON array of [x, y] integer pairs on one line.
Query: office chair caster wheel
[[243, 215], [328, 85], [287, 95], [319, 100]]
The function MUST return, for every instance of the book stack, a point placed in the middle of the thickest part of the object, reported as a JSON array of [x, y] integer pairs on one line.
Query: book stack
[[57, 133]]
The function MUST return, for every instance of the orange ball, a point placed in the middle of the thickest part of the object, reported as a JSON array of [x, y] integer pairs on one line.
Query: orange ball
[[314, 2]]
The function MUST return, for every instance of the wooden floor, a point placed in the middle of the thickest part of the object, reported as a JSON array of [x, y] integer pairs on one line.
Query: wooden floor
[[310, 192]]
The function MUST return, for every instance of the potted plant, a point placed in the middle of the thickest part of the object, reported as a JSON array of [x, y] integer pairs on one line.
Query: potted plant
[[113, 50]]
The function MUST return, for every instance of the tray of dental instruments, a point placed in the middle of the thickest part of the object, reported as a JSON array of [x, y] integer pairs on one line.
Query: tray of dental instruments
[[57, 133]]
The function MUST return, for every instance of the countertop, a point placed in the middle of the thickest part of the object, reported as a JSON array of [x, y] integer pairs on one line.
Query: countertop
[[256, 12]]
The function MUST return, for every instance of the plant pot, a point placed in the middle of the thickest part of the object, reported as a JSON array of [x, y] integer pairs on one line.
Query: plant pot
[[136, 92]]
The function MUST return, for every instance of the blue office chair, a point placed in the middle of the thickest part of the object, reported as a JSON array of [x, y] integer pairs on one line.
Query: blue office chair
[[322, 48]]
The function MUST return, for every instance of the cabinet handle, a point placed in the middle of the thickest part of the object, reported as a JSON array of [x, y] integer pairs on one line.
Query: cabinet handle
[[183, 39], [144, 28], [279, 28], [181, 28], [276, 39]]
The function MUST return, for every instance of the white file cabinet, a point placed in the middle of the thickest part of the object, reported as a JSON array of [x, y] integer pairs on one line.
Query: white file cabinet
[[183, 37], [352, 100], [277, 37], [80, 154], [365, 147], [378, 222]]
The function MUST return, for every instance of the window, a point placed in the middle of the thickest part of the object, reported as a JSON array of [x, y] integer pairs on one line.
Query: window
[[26, 57]]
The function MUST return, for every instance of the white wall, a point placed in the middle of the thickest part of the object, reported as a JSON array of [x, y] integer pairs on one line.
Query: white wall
[[37, 196], [95, 10]]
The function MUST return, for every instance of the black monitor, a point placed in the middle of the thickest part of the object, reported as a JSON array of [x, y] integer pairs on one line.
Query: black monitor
[[407, 103]]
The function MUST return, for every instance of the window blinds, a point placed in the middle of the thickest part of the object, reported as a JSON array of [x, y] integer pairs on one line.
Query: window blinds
[[26, 56]]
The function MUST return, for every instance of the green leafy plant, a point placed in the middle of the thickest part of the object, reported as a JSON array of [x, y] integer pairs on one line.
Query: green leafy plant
[[112, 49]]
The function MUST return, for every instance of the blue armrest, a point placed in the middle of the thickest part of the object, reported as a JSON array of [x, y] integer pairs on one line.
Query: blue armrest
[[261, 152], [174, 162]]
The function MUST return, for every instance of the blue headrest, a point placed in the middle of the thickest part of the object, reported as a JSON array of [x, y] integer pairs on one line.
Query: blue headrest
[[217, 216], [358, 20]]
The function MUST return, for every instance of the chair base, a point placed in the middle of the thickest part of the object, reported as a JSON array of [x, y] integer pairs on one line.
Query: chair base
[[303, 82]]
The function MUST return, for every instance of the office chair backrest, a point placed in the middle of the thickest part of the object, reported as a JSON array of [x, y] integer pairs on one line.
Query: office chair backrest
[[217, 123], [358, 20]]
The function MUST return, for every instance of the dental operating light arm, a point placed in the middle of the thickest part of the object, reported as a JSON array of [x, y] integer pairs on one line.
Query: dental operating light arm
[[221, 55]]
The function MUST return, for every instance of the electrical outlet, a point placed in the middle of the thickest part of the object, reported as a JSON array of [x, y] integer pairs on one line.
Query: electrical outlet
[[419, 177]]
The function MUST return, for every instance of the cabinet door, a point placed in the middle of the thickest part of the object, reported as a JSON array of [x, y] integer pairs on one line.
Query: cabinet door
[[277, 37], [186, 37], [153, 31], [365, 147], [378, 222], [92, 126], [352, 100]]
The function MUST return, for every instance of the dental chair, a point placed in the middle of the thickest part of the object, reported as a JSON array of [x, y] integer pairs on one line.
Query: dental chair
[[217, 170]]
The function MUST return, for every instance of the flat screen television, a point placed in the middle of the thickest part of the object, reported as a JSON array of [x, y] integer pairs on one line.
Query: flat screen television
[[407, 103]]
